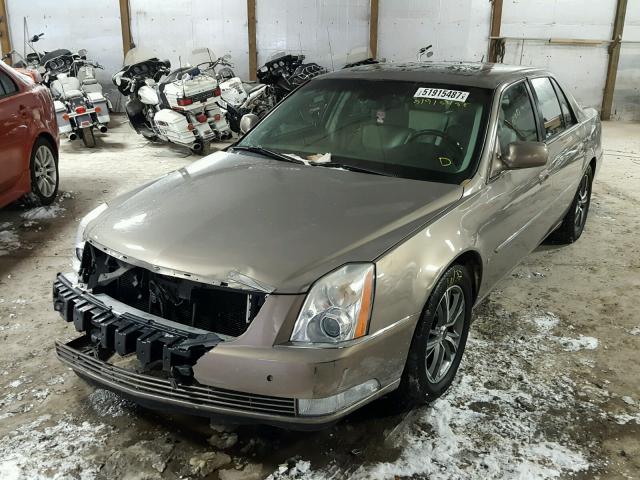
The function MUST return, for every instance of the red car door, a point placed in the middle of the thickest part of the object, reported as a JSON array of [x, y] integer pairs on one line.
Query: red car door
[[15, 104]]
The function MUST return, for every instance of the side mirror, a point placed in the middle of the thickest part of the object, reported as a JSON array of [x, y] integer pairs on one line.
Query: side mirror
[[83, 53], [525, 155], [248, 121]]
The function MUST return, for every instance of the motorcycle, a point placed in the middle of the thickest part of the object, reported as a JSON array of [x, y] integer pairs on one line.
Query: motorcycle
[[177, 106], [79, 102], [285, 72], [237, 97]]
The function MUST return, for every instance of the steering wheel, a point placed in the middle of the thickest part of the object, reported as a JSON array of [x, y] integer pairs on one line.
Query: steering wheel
[[436, 133]]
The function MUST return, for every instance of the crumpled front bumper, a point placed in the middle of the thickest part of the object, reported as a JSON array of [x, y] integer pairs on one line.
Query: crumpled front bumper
[[108, 330]]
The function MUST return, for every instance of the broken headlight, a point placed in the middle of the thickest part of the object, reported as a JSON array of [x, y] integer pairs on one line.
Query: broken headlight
[[337, 307], [79, 243]]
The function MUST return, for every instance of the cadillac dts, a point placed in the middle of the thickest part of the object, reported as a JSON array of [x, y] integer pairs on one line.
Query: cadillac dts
[[334, 254]]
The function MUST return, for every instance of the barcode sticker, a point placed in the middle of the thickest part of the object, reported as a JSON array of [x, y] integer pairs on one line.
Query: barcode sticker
[[442, 94]]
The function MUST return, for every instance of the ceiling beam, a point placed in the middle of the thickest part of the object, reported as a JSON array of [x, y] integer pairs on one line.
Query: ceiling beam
[[251, 32], [125, 25], [5, 39], [373, 28], [614, 57]]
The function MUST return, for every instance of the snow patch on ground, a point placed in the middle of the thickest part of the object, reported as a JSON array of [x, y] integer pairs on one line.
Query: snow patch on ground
[[580, 343], [9, 240], [44, 450], [545, 322], [43, 213], [505, 417]]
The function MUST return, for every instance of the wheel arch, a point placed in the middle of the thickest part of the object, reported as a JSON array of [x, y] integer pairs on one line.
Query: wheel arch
[[49, 138], [472, 261]]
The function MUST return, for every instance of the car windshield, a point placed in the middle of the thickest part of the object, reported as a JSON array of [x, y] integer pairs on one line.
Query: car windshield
[[404, 129]]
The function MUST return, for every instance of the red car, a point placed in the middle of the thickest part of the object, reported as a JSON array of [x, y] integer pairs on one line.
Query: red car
[[28, 139]]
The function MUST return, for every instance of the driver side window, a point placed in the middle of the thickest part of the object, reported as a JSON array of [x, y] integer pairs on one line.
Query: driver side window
[[516, 121]]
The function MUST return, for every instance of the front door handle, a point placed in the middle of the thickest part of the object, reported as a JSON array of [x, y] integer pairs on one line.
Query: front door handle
[[543, 176]]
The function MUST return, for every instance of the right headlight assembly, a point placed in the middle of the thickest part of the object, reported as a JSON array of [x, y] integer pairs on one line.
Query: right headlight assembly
[[338, 306]]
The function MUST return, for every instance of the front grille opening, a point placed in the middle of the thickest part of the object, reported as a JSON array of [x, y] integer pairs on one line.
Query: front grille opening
[[220, 310]]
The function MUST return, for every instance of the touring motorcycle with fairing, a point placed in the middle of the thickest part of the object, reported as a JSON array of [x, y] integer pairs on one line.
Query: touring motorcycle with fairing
[[178, 106]]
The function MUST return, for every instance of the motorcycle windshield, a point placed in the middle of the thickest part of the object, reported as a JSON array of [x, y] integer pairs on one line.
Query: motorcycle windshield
[[138, 55], [276, 55], [202, 55]]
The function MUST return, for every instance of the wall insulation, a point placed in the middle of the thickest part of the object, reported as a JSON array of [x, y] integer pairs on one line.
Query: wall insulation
[[581, 68], [78, 24], [457, 29], [329, 32], [172, 29]]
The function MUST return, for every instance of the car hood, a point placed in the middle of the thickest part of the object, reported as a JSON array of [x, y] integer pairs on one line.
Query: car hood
[[252, 222]]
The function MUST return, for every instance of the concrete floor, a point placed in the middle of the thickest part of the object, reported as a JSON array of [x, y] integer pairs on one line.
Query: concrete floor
[[549, 385]]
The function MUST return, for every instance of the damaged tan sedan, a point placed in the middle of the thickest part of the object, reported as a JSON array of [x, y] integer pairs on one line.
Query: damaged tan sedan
[[335, 253]]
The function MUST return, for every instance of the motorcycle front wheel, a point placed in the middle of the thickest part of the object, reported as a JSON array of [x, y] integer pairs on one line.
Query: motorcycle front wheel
[[87, 137]]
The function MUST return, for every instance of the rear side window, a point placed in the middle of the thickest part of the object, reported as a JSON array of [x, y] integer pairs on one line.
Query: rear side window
[[516, 121], [7, 86], [549, 107], [567, 113]]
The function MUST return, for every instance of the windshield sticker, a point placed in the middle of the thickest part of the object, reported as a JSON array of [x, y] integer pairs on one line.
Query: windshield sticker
[[442, 94]]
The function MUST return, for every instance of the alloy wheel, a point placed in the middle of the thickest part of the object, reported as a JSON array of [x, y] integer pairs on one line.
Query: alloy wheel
[[45, 171], [443, 341], [582, 203]]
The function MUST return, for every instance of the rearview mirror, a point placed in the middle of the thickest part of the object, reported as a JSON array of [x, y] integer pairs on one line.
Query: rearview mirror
[[525, 155], [248, 121], [83, 53]]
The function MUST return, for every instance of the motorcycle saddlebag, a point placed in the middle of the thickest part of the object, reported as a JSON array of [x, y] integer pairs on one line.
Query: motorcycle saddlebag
[[64, 126], [100, 104], [174, 126]]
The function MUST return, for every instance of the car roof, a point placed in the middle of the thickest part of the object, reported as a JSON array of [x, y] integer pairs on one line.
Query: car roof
[[483, 75]]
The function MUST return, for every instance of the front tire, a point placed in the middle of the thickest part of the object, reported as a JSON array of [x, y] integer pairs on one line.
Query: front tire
[[575, 219], [439, 340], [44, 172]]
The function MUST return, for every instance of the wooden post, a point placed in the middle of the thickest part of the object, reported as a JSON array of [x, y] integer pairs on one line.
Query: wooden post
[[251, 31], [373, 28], [125, 25], [5, 39], [496, 23], [614, 57]]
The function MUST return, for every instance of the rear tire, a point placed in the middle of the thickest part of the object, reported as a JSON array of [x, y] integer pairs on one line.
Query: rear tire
[[88, 138], [575, 219], [44, 172], [439, 340]]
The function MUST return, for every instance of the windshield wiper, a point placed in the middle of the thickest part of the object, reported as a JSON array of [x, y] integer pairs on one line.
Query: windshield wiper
[[267, 153], [351, 168]]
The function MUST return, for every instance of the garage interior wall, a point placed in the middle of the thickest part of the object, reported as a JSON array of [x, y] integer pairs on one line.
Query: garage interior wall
[[581, 68], [329, 32], [626, 96], [172, 29], [334, 32], [457, 29], [72, 24]]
